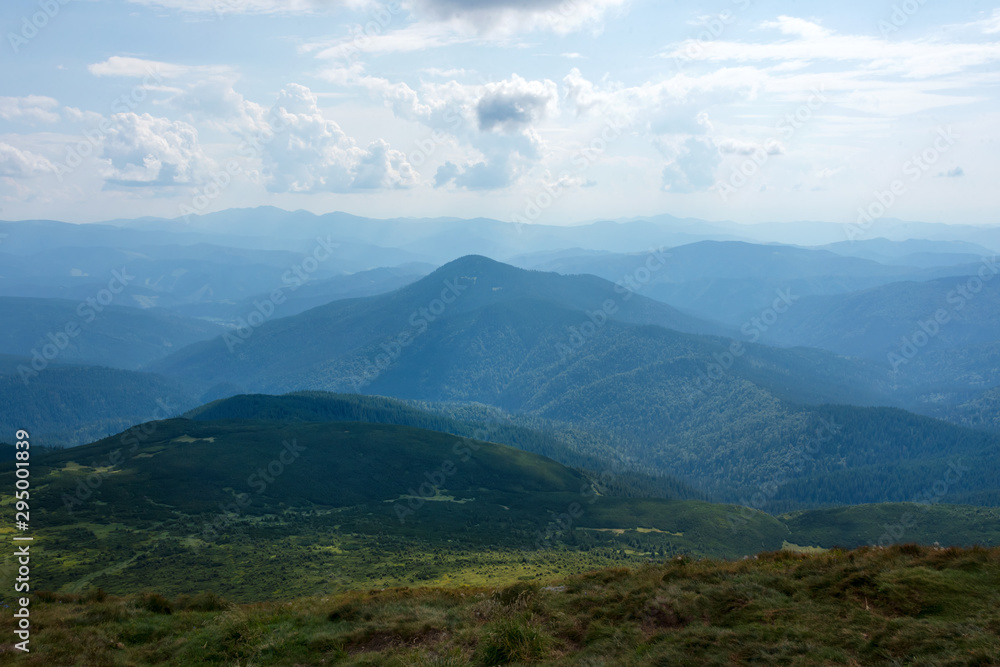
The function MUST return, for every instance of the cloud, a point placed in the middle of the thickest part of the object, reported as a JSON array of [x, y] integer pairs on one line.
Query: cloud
[[17, 163], [485, 18], [790, 25], [255, 6], [693, 166], [31, 109], [204, 93], [811, 42], [497, 119], [956, 172], [740, 147], [126, 66], [382, 167], [149, 151], [511, 17], [215, 101], [310, 153], [89, 118], [445, 73], [446, 173], [409, 38], [991, 25], [673, 105], [492, 174], [515, 104]]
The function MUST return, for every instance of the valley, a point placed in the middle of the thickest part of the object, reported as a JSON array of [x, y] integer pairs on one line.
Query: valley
[[480, 426]]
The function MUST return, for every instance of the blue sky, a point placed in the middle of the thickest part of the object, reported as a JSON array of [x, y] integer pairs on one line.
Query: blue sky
[[556, 111]]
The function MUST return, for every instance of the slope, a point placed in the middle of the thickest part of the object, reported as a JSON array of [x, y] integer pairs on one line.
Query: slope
[[337, 345], [66, 405], [89, 333], [181, 504], [728, 418]]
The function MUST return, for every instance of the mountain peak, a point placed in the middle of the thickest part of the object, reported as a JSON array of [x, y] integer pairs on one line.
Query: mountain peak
[[477, 266]]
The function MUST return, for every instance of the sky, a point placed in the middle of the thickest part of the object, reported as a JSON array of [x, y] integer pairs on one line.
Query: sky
[[553, 111]]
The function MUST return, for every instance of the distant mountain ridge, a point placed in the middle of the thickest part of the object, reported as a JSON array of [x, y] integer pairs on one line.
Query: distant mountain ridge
[[716, 412]]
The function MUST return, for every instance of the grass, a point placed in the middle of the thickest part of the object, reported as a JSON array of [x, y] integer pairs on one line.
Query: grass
[[904, 605]]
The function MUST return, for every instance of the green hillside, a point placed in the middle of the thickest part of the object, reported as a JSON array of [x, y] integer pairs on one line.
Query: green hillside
[[67, 405], [337, 346], [670, 403], [179, 504], [560, 442], [900, 606], [895, 523]]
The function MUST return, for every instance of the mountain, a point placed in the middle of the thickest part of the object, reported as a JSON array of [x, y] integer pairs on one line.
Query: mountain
[[895, 523], [87, 332], [438, 240], [669, 402], [730, 259], [311, 294], [65, 405], [337, 346], [177, 274], [178, 504], [912, 252], [731, 282], [568, 447], [957, 312], [981, 411]]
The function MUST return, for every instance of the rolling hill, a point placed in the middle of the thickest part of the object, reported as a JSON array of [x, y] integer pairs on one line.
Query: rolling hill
[[337, 345], [571, 447], [732, 281], [668, 402], [66, 405], [85, 332], [958, 312], [179, 503]]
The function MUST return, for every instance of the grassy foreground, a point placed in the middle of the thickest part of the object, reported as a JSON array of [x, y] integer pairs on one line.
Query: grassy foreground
[[905, 605]]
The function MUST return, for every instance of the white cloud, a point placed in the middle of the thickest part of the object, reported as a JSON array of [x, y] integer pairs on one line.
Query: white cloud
[[515, 104], [693, 166], [991, 25], [204, 93], [445, 73], [18, 163], [215, 102], [498, 119], [667, 106], [408, 39], [30, 109], [505, 18], [148, 151], [382, 167], [310, 153], [89, 118], [255, 6], [494, 173], [731, 146], [485, 18], [790, 25], [811, 42], [126, 66]]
